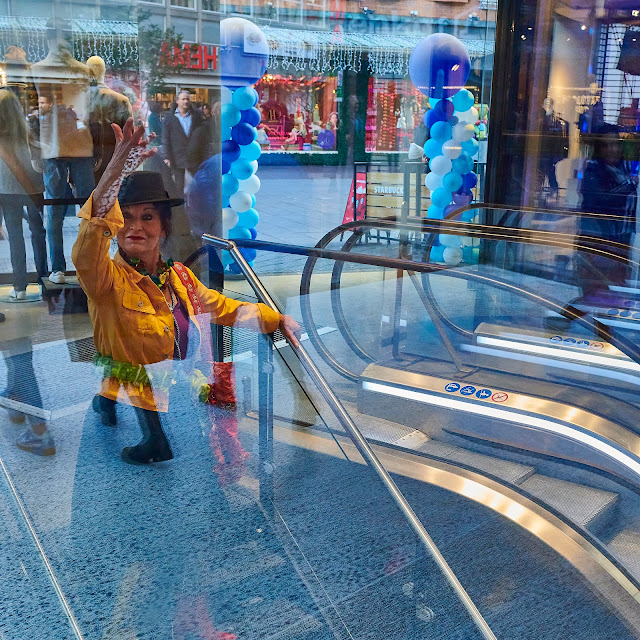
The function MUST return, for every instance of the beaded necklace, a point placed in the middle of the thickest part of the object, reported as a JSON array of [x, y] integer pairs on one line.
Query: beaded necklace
[[162, 268]]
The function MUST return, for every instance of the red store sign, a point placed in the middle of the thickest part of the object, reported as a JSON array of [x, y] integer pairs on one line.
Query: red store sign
[[192, 56]]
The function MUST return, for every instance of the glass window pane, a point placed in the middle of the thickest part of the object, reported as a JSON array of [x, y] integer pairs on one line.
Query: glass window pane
[[186, 27], [210, 32]]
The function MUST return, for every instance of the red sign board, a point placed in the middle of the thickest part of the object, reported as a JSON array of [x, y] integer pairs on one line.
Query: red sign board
[[359, 205], [193, 56]]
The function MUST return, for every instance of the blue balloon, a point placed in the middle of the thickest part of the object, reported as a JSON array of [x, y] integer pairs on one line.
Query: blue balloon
[[227, 260], [441, 197], [452, 181], [437, 254], [225, 202], [225, 133], [435, 212], [243, 133], [445, 107], [433, 102], [226, 166], [244, 53], [470, 147], [468, 216], [251, 151], [439, 65], [230, 115], [441, 131], [463, 100], [230, 151], [462, 164], [239, 233], [248, 219], [434, 115], [242, 169], [251, 116], [453, 120], [433, 148], [254, 234], [463, 197], [229, 185], [450, 209], [249, 254], [245, 98], [469, 180], [234, 268], [253, 200]]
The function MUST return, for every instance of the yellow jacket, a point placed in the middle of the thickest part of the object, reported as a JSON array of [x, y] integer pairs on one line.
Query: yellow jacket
[[131, 320]]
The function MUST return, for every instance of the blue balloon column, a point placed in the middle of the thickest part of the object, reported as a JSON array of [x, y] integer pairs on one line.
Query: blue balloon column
[[439, 67], [244, 53]]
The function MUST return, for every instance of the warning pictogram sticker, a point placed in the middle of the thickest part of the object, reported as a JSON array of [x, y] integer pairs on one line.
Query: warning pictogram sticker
[[500, 396]]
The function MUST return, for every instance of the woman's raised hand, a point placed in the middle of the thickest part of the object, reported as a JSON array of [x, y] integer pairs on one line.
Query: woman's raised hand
[[131, 150]]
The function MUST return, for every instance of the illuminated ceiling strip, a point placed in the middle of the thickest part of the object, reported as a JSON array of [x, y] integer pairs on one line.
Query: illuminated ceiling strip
[[553, 362], [557, 352], [485, 410]]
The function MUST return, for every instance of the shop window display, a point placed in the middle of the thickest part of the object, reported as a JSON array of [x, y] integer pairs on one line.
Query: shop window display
[[298, 114]]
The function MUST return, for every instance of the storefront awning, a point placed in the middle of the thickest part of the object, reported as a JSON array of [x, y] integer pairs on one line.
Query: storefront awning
[[324, 51]]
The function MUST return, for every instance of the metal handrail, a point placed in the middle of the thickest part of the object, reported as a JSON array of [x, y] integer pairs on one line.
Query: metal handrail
[[359, 440]]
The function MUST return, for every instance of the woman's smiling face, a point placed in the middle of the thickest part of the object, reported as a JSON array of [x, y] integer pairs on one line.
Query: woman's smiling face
[[142, 230]]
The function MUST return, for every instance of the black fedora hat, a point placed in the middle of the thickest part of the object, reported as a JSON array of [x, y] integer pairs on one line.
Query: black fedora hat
[[145, 186]]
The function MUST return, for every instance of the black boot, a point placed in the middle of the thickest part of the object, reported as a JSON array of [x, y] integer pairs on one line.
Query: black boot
[[106, 409], [154, 446]]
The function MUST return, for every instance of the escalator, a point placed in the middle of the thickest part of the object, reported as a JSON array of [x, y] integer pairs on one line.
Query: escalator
[[537, 426]]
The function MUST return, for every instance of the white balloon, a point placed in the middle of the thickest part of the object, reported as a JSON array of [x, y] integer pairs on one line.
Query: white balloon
[[452, 256], [463, 131], [452, 148], [229, 220], [433, 181], [254, 164], [468, 117], [449, 241], [440, 165], [250, 185], [241, 201]]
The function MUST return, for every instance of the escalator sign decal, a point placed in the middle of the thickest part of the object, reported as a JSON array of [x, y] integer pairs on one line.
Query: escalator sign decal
[[452, 387], [499, 396], [483, 394], [468, 390]]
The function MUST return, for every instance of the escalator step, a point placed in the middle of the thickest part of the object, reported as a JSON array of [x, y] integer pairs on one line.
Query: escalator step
[[626, 545], [512, 472], [588, 507]]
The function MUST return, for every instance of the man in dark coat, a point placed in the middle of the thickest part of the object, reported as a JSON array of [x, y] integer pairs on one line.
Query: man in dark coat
[[181, 142]]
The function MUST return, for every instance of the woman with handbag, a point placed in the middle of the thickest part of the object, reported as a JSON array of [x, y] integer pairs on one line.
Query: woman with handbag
[[151, 318]]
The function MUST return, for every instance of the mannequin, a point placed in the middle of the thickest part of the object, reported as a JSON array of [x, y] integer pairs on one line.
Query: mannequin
[[106, 107], [62, 84]]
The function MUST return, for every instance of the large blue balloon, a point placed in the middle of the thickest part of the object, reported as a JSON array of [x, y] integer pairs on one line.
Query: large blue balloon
[[230, 151], [251, 116], [254, 234], [439, 65], [251, 151], [244, 52], [441, 131], [435, 212], [462, 164], [229, 185], [243, 133], [452, 181], [249, 254], [245, 98], [226, 166], [432, 148]]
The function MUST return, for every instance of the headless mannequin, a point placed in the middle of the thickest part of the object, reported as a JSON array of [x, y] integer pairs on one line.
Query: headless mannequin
[[66, 146], [106, 107]]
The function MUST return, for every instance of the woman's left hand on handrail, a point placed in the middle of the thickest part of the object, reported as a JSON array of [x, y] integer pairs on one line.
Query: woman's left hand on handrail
[[290, 329]]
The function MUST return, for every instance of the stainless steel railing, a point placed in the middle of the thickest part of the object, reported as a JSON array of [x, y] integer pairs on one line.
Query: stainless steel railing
[[359, 440]]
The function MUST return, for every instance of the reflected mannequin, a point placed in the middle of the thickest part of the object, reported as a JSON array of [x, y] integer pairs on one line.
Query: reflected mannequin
[[62, 84]]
